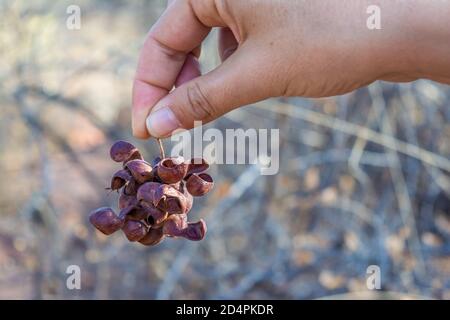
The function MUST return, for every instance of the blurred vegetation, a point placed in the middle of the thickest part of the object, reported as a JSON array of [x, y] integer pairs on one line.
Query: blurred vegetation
[[364, 178]]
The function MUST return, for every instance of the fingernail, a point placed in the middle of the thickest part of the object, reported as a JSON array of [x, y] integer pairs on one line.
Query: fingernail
[[162, 122]]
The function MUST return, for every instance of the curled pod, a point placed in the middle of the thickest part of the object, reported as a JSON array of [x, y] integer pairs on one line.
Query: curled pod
[[175, 225], [172, 170], [155, 216], [126, 200], [189, 199], [140, 170], [199, 184], [105, 220], [122, 151], [131, 187], [136, 213], [134, 230], [196, 165], [170, 200], [153, 237], [119, 179], [195, 231], [148, 192]]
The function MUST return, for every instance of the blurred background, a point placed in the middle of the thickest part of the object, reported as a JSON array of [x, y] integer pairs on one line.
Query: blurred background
[[364, 178]]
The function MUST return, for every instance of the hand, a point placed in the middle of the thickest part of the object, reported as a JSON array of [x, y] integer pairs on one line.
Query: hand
[[280, 48]]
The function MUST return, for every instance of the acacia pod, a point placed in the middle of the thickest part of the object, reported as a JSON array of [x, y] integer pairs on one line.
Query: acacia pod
[[140, 170], [136, 213], [175, 225], [170, 200], [122, 151], [126, 200], [105, 220], [172, 170], [119, 179], [189, 199], [196, 165], [153, 237], [195, 231], [148, 192], [134, 230], [155, 216], [199, 184]]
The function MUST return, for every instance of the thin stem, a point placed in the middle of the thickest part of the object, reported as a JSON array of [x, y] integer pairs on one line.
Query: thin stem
[[161, 148]]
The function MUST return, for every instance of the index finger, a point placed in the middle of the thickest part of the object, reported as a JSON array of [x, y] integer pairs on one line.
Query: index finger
[[177, 32]]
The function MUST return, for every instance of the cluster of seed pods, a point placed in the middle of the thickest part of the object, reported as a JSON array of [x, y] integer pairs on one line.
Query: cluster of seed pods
[[155, 198]]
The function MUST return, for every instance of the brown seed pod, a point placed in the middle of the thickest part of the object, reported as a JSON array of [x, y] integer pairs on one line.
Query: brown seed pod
[[170, 200], [122, 151], [131, 187], [134, 230], [155, 216], [175, 225], [153, 237], [126, 200], [136, 213], [172, 170], [105, 220], [199, 184], [196, 165], [189, 199], [119, 179], [196, 231], [140, 170], [148, 192]]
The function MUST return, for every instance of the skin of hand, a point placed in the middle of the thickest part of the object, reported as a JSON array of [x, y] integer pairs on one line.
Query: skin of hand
[[272, 48]]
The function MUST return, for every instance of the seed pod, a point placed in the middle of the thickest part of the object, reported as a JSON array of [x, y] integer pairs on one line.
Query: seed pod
[[155, 216], [122, 151], [140, 170], [195, 231], [119, 179], [126, 200], [172, 170], [134, 156], [196, 165], [148, 193], [189, 199], [131, 187], [199, 184], [105, 220], [134, 230], [136, 213], [175, 225], [153, 237], [170, 200]]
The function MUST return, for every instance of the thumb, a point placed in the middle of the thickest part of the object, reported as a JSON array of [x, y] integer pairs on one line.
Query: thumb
[[236, 82]]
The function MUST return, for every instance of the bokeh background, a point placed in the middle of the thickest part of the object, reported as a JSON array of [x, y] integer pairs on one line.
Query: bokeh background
[[364, 178]]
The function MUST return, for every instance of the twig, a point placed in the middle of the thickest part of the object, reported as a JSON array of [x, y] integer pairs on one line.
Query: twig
[[161, 148]]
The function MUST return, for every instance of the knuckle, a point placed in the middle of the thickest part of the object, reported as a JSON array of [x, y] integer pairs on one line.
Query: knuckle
[[199, 103]]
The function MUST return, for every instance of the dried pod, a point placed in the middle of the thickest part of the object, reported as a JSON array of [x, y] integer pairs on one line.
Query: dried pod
[[119, 179], [105, 220], [134, 156], [175, 225], [136, 213], [195, 231], [170, 200], [122, 151], [153, 237], [199, 184], [126, 200], [148, 192], [134, 230], [189, 199], [172, 170], [155, 216], [196, 165], [140, 170], [131, 187]]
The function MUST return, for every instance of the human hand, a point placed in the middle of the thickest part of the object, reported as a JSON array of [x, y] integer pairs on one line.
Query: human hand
[[275, 48]]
